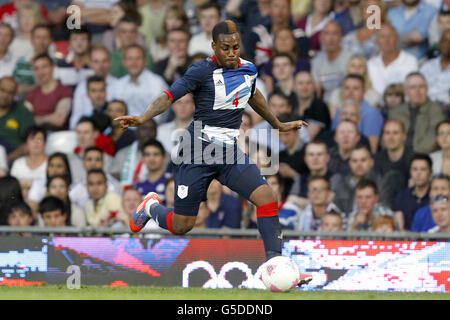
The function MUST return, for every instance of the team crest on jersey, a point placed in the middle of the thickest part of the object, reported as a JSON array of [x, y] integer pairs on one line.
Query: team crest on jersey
[[182, 191]]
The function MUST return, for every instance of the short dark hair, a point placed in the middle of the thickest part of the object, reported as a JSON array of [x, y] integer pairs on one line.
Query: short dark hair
[[316, 178], [41, 26], [366, 183], [180, 29], [95, 78], [119, 101], [209, 5], [223, 27], [279, 93], [318, 141], [356, 77], [135, 46], [90, 120], [93, 148], [128, 19], [34, 130], [287, 117], [361, 146], [424, 157], [82, 30], [97, 171], [51, 203], [154, 143], [283, 55], [21, 206], [43, 55]]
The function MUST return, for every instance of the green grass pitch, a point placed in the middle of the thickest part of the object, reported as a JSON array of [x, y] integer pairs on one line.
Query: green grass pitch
[[60, 292]]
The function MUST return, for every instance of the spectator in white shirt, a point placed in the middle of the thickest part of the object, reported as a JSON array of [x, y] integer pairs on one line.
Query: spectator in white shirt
[[208, 16], [391, 65], [7, 60], [170, 132], [135, 88], [437, 72], [33, 165], [100, 63]]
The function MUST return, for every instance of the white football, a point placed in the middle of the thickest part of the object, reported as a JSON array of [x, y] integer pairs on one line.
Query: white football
[[280, 274]]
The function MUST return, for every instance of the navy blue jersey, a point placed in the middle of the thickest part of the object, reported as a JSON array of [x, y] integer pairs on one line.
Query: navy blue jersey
[[220, 95]]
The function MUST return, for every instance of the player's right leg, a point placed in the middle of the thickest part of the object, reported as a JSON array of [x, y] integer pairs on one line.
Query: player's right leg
[[191, 184], [150, 207]]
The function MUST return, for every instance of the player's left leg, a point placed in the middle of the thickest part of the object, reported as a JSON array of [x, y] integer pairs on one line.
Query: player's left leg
[[246, 180]]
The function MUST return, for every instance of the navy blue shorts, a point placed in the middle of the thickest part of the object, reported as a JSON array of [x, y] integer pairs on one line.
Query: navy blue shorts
[[192, 181]]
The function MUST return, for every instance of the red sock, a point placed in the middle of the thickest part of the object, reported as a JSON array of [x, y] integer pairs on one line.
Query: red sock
[[169, 221], [267, 210]]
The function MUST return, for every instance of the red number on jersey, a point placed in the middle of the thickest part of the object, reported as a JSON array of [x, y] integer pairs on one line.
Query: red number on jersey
[[236, 100]]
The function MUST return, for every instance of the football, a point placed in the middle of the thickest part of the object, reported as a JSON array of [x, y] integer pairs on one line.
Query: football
[[280, 274]]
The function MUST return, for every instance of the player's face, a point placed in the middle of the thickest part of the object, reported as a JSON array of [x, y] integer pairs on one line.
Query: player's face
[[228, 49]]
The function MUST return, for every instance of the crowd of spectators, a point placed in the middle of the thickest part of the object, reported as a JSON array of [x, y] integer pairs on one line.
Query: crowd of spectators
[[374, 86]]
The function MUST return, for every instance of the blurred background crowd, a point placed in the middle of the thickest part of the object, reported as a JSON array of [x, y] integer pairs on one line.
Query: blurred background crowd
[[371, 77]]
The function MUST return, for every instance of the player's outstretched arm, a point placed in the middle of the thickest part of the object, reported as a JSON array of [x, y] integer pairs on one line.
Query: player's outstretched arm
[[158, 106], [258, 103]]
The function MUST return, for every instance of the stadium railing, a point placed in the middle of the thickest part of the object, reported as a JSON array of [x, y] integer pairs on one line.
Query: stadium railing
[[219, 233]]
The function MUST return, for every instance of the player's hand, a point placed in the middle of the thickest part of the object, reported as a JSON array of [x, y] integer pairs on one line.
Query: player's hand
[[129, 121], [293, 125]]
